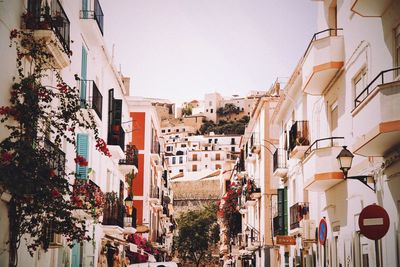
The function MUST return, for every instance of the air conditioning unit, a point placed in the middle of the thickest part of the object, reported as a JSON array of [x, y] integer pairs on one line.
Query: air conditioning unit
[[309, 228]]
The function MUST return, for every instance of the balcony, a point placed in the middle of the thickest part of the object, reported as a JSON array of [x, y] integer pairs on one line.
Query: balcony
[[280, 163], [92, 21], [116, 139], [279, 227], [321, 170], [322, 60], [298, 212], [130, 163], [299, 139], [376, 116], [113, 214], [93, 98], [370, 8], [51, 25]]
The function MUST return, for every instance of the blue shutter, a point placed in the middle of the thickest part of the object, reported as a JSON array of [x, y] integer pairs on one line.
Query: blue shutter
[[85, 9], [82, 145], [76, 257], [83, 77]]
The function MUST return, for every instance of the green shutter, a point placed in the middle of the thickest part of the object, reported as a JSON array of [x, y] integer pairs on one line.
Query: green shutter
[[280, 211], [285, 210], [83, 77], [82, 148]]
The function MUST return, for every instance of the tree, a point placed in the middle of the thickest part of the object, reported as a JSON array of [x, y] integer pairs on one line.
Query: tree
[[38, 118], [187, 111], [198, 231]]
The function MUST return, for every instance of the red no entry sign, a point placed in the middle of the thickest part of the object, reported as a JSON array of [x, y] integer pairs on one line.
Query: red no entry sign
[[374, 222]]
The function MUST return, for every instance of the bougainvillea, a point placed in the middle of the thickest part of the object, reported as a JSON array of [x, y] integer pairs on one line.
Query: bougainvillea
[[229, 210], [39, 118], [88, 196], [143, 245]]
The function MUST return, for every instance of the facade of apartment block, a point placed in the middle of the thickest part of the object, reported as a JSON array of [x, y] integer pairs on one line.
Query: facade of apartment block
[[151, 190], [100, 86], [343, 92]]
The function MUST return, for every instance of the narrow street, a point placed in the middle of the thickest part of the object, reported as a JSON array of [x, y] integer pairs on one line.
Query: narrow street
[[200, 133]]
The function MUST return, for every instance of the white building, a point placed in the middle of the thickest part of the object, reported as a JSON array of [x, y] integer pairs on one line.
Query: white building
[[100, 86], [344, 91]]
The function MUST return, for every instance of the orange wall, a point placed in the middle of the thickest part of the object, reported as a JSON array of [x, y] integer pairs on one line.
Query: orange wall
[[138, 182], [138, 131], [138, 204]]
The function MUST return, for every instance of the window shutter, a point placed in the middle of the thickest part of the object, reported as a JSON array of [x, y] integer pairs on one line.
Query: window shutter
[[83, 90], [285, 211], [82, 145], [85, 9]]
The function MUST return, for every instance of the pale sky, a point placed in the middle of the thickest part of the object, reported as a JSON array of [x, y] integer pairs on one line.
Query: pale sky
[[183, 49]]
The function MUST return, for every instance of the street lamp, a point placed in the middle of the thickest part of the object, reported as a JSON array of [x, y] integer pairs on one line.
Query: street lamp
[[345, 159], [129, 201]]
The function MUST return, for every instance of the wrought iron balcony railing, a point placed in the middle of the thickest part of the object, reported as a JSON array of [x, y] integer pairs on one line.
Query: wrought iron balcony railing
[[324, 143], [298, 212], [299, 135], [378, 80], [279, 159], [94, 12], [94, 98], [131, 156], [42, 16]]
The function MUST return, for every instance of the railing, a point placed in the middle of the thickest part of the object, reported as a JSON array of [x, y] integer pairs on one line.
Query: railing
[[155, 193], [113, 213], [95, 98], [131, 156], [59, 164], [96, 14], [374, 83], [323, 143], [320, 35], [51, 17], [299, 135], [297, 213], [278, 224], [279, 159], [117, 137]]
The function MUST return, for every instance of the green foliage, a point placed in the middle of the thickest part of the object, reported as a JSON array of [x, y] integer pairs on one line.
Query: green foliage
[[198, 231], [228, 109], [225, 127], [187, 111]]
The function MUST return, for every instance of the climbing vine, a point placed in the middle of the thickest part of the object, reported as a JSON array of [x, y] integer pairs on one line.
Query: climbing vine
[[38, 119]]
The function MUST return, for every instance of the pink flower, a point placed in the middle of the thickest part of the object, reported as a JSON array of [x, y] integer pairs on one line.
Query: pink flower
[[55, 193]]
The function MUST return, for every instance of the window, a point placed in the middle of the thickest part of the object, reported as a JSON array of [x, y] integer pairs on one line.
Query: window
[[210, 103], [180, 170], [169, 130], [177, 130], [215, 141], [163, 131], [209, 141], [183, 129], [169, 148], [194, 157], [206, 110], [173, 160], [232, 149], [211, 110], [397, 47], [217, 156], [194, 168], [180, 160], [206, 155], [360, 82], [183, 145], [217, 166]]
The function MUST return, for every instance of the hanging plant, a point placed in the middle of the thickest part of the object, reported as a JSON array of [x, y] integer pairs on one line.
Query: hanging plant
[[229, 210], [32, 173]]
